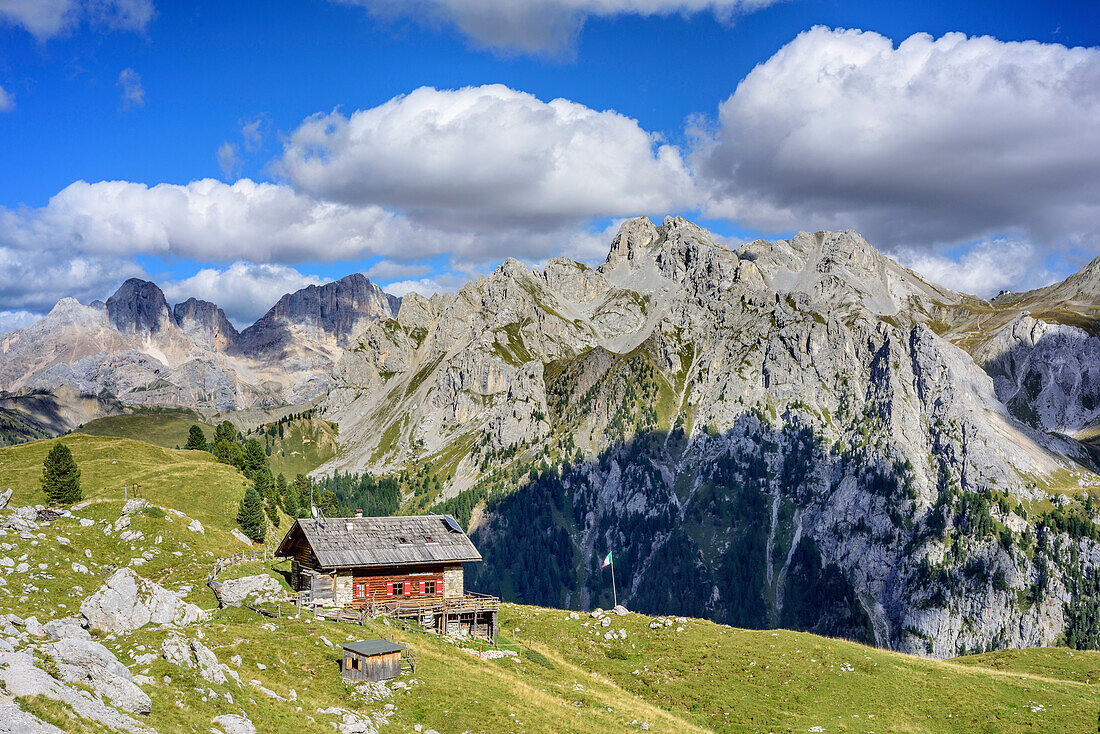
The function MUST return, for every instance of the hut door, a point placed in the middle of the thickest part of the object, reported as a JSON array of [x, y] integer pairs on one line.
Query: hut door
[[321, 587]]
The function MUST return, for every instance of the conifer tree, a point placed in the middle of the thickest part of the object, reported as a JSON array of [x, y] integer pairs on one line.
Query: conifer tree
[[196, 439], [290, 498], [302, 483], [250, 516], [225, 431], [280, 491], [254, 457], [61, 476]]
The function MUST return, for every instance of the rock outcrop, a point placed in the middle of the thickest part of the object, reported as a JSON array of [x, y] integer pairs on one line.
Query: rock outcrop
[[250, 590], [85, 661], [127, 602]]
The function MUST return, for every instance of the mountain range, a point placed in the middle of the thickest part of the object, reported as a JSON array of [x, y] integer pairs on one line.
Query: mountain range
[[799, 433]]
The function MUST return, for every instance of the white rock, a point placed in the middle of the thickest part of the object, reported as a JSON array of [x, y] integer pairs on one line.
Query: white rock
[[176, 650], [251, 589], [127, 602], [196, 527], [208, 664], [89, 662], [235, 724]]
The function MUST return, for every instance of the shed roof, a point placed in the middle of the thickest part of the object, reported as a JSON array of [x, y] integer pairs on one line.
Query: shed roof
[[382, 541], [373, 647]]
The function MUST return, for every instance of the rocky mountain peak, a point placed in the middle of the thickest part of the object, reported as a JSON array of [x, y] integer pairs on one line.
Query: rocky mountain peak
[[336, 312], [139, 306], [633, 236], [206, 324]]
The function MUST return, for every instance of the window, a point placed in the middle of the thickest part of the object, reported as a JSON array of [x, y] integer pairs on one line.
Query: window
[[428, 539], [398, 588], [359, 590], [402, 540], [429, 587], [353, 663]]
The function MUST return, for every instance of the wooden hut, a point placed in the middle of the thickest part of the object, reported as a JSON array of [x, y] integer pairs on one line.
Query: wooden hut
[[371, 660], [407, 567]]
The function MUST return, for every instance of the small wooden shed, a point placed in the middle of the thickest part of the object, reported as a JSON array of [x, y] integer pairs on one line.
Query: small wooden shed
[[371, 660]]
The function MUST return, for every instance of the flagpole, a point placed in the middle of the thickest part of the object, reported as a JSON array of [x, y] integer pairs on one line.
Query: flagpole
[[614, 593]]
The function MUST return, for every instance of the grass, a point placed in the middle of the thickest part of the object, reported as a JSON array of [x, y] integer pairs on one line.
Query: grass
[[692, 676], [307, 443], [165, 427]]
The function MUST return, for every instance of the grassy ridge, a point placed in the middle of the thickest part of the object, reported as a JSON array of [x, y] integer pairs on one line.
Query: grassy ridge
[[166, 427]]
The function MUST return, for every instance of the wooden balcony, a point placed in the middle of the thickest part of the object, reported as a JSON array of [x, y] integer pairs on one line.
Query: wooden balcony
[[468, 603]]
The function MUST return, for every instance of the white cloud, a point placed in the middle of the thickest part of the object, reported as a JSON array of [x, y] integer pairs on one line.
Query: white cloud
[[953, 139], [35, 280], [245, 291], [7, 101], [228, 160], [389, 270], [252, 134], [214, 222], [441, 283], [983, 269], [14, 320], [489, 156], [45, 19], [133, 93], [541, 26]]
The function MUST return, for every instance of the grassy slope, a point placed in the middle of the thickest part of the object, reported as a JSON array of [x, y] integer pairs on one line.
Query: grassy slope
[[164, 427], [306, 444], [567, 678]]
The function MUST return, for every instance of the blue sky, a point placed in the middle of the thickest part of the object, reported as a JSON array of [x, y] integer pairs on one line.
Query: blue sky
[[972, 159]]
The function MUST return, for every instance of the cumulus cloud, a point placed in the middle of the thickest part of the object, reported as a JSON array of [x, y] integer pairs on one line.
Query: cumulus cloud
[[244, 290], [983, 269], [541, 26], [133, 93], [36, 280], [46, 19], [214, 222], [389, 270], [936, 140], [7, 102], [14, 320], [487, 155]]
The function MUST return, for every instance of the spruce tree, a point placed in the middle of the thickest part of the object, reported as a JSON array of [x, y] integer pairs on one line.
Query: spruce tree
[[196, 439], [250, 515], [290, 498], [302, 483], [225, 431], [61, 476], [254, 457], [280, 491]]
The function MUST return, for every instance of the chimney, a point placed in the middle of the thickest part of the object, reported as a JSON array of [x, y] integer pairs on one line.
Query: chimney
[[348, 526], [358, 513]]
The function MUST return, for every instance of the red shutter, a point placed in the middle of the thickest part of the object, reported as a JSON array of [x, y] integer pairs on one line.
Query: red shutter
[[423, 586], [389, 588]]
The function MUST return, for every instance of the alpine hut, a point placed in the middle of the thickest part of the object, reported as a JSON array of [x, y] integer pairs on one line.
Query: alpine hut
[[407, 567]]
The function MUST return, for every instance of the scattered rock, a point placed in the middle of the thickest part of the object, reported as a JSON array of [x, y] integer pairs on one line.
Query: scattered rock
[[60, 629], [133, 506], [176, 650], [605, 621], [235, 724], [17, 721], [620, 610], [5, 497], [89, 662], [127, 602], [236, 533], [208, 664], [259, 588], [196, 527]]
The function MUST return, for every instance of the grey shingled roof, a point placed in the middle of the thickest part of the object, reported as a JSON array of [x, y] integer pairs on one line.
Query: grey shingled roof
[[375, 541], [373, 647]]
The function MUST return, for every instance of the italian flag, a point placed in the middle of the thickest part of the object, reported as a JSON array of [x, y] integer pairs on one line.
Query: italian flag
[[606, 561]]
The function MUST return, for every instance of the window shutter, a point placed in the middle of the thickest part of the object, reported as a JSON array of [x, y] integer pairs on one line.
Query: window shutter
[[423, 585], [389, 588]]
